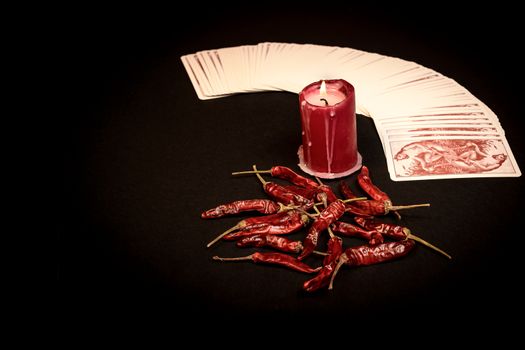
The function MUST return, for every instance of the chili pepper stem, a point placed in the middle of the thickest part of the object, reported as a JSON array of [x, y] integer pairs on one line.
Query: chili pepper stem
[[312, 216], [283, 207], [398, 216], [422, 241], [342, 259], [319, 180], [355, 199], [258, 175], [401, 207], [252, 172], [222, 235], [240, 258], [320, 253], [330, 232]]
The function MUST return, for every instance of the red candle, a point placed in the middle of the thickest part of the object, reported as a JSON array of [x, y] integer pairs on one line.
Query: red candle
[[329, 148]]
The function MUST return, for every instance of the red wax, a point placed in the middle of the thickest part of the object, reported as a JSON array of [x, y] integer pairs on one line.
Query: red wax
[[329, 148]]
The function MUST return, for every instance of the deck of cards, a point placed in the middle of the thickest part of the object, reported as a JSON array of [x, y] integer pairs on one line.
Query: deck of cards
[[430, 126]]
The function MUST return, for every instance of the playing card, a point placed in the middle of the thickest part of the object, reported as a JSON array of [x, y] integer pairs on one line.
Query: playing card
[[450, 157]]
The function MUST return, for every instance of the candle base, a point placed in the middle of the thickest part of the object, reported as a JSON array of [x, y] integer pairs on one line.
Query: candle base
[[322, 175]]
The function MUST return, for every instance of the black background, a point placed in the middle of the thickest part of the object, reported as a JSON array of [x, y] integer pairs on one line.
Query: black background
[[143, 156]]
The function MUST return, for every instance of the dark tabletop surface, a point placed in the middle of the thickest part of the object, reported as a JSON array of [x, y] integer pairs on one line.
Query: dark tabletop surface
[[143, 156]]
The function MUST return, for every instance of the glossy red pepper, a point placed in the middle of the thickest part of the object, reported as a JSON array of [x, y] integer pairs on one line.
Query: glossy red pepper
[[276, 242], [329, 215], [396, 232], [366, 255], [322, 279], [276, 259], [263, 206], [349, 230]]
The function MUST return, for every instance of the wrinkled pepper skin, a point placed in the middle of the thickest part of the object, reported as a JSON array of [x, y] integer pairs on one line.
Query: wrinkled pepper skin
[[329, 215], [366, 255], [263, 206], [322, 279]]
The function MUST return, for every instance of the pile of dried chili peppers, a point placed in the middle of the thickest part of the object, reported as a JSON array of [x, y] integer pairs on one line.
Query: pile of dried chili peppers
[[308, 203]]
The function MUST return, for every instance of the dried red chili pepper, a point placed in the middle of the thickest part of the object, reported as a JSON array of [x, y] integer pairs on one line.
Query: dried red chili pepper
[[364, 180], [284, 173], [396, 232], [277, 242], [274, 258], [348, 194], [282, 195], [385, 203], [366, 255], [258, 221], [293, 223], [372, 207], [308, 193], [335, 249], [329, 215], [346, 191], [349, 230], [263, 206]]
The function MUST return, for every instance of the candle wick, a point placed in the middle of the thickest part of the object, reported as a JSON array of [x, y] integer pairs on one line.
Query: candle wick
[[325, 101]]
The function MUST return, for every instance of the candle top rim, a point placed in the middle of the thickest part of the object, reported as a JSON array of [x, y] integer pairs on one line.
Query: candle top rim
[[342, 87]]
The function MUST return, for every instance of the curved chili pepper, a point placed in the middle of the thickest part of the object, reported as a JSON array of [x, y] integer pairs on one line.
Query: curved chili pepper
[[349, 230], [284, 173], [392, 231], [282, 195], [364, 180], [263, 206], [308, 193], [351, 207], [274, 258], [366, 255], [335, 249], [346, 191], [321, 193], [257, 221], [277, 242], [375, 207], [295, 222], [329, 215], [396, 232]]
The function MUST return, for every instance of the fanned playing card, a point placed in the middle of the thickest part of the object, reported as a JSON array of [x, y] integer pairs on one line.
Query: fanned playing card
[[430, 126]]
